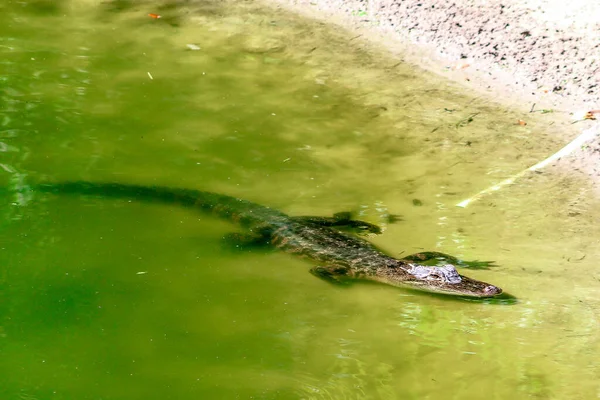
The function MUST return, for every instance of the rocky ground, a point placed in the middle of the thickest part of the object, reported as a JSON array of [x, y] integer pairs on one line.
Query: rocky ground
[[542, 52]]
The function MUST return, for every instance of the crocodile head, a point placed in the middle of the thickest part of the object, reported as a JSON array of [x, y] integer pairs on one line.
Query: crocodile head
[[443, 279]]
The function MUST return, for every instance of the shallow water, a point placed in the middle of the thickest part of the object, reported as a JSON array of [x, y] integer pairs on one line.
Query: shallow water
[[112, 299]]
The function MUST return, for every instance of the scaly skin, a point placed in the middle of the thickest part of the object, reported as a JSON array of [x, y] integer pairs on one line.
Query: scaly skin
[[341, 257]]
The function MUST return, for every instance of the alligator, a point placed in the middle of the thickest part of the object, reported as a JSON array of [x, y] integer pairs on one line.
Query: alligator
[[341, 256]]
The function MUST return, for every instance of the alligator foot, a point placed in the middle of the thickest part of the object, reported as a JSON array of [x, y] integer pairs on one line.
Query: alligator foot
[[437, 258], [334, 275], [393, 218], [342, 220]]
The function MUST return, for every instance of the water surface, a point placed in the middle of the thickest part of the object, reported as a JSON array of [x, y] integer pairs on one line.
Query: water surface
[[113, 299]]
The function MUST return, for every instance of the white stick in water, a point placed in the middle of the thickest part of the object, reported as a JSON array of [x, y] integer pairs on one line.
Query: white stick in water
[[585, 136]]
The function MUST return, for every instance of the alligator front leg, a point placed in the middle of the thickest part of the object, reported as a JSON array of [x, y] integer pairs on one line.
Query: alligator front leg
[[333, 274], [437, 258], [258, 237]]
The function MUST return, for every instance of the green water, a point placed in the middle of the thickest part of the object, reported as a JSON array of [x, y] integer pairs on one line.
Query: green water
[[111, 299]]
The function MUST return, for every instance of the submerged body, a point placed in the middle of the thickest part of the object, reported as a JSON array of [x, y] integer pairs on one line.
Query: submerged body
[[340, 256]]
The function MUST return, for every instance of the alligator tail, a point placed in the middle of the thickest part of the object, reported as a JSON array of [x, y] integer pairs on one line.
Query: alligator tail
[[223, 206]]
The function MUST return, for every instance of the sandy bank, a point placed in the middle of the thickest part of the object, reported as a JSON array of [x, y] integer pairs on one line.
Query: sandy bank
[[527, 52], [530, 47]]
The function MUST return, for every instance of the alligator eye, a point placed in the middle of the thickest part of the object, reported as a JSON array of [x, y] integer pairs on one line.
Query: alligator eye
[[436, 276]]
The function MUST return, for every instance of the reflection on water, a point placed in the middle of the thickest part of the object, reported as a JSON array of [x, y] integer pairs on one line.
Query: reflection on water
[[106, 298]]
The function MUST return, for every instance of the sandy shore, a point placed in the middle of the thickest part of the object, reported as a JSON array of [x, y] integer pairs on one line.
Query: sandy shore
[[528, 52], [530, 47]]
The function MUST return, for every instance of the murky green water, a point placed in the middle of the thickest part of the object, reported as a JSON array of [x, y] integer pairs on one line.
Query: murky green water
[[110, 299]]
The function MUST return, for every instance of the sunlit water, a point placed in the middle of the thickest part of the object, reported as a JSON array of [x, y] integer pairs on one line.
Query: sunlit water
[[113, 299]]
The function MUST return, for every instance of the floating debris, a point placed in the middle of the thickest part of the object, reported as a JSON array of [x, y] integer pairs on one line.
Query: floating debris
[[464, 122], [581, 115], [192, 46], [576, 143]]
